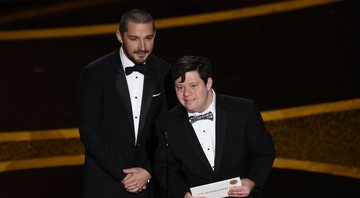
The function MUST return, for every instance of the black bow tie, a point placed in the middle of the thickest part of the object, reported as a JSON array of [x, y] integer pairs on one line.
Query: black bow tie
[[205, 116], [141, 68]]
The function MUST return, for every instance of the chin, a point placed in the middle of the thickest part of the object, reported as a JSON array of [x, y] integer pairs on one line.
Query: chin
[[142, 57], [189, 109]]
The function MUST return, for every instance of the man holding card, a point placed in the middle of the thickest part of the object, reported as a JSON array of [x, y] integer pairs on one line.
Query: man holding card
[[210, 137]]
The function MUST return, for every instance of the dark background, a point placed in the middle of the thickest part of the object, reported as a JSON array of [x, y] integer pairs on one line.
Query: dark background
[[281, 60]]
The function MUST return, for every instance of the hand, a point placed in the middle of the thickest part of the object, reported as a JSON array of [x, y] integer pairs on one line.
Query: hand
[[135, 179], [242, 191], [188, 195]]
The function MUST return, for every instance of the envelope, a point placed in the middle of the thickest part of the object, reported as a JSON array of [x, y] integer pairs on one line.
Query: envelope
[[217, 189]]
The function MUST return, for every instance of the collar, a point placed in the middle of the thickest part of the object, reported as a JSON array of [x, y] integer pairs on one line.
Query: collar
[[125, 61]]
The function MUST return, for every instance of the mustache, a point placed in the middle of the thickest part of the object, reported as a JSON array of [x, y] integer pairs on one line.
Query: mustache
[[141, 51]]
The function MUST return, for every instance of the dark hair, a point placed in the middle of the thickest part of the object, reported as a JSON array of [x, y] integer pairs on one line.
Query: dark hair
[[136, 15], [191, 63]]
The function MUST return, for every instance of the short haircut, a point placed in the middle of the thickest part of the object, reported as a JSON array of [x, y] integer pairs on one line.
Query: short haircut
[[136, 15], [191, 63]]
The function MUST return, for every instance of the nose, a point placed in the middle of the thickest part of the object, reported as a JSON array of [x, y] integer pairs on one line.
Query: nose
[[187, 92], [142, 45]]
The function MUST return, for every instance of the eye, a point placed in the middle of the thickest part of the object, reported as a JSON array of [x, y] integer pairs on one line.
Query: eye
[[133, 38], [149, 37], [179, 88]]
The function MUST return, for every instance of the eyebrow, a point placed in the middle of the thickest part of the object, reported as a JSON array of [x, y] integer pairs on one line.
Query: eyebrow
[[191, 83]]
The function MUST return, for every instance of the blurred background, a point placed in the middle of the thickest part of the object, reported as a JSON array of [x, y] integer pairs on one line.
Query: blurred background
[[298, 59]]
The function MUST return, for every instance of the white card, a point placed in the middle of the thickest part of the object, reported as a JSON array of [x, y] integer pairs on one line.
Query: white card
[[217, 189]]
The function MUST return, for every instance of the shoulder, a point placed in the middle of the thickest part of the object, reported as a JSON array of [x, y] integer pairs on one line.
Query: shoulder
[[173, 114], [104, 60], [232, 100], [153, 59], [103, 63], [235, 104], [158, 63]]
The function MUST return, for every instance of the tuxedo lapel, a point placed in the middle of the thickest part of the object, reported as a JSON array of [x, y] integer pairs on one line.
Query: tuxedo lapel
[[122, 88], [189, 132], [149, 87], [221, 122]]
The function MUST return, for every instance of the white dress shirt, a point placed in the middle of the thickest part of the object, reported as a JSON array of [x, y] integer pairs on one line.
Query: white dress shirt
[[205, 132], [135, 82]]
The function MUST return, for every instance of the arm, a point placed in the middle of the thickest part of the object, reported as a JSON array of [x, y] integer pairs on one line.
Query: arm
[[261, 148], [178, 185], [167, 168], [160, 159], [89, 103]]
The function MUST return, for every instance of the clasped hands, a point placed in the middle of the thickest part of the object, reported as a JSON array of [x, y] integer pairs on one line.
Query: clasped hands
[[136, 179]]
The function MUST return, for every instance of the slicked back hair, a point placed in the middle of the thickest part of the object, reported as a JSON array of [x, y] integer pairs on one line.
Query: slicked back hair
[[136, 15]]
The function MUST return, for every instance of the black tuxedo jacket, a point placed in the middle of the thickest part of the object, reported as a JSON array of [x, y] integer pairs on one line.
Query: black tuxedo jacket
[[244, 148], [106, 123]]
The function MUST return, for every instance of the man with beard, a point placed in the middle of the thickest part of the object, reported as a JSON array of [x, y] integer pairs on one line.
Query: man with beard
[[119, 97]]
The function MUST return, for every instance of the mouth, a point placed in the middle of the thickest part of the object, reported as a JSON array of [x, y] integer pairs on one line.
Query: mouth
[[189, 101], [141, 53]]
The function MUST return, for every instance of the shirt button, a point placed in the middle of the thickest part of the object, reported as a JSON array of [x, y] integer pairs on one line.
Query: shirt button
[[135, 117], [136, 77], [208, 149], [204, 131], [135, 97]]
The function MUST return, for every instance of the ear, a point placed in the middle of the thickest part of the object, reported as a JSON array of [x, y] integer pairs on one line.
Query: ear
[[119, 37], [209, 84]]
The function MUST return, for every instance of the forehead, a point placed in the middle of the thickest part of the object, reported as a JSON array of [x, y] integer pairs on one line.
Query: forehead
[[190, 77], [134, 28]]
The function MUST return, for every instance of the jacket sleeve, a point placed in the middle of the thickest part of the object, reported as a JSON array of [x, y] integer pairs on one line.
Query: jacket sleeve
[[89, 104], [261, 148], [167, 168]]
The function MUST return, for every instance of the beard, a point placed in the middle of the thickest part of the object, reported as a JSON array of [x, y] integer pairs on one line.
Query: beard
[[142, 55]]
